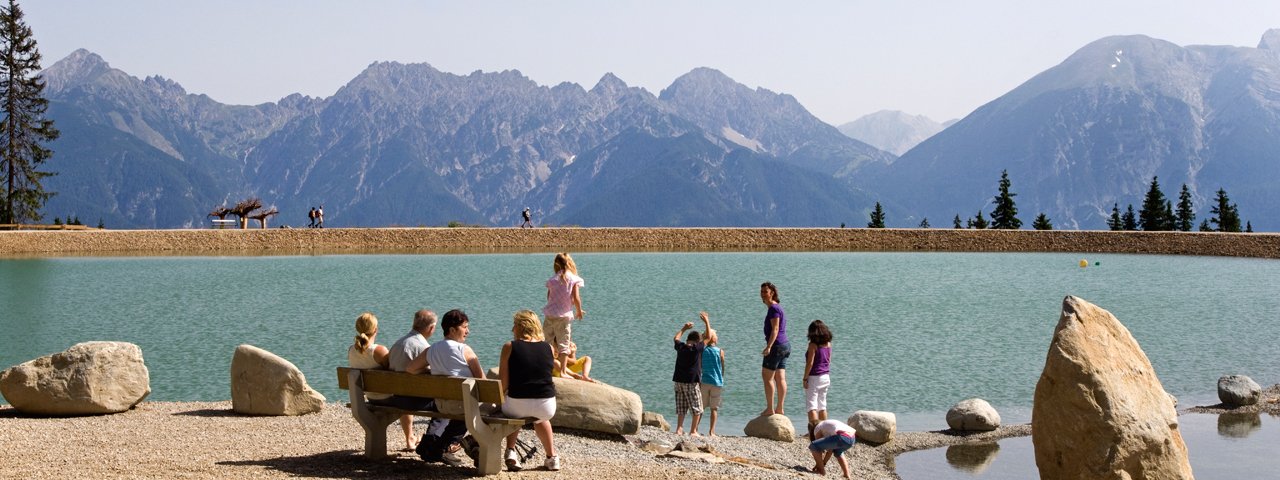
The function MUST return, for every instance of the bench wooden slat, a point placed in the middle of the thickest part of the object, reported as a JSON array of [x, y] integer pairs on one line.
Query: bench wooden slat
[[430, 386], [452, 416]]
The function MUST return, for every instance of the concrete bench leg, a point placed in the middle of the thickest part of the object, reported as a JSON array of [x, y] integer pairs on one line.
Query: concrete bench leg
[[490, 438], [374, 423]]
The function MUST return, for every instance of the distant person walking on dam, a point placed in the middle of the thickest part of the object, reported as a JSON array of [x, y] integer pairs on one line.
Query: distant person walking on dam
[[528, 221]]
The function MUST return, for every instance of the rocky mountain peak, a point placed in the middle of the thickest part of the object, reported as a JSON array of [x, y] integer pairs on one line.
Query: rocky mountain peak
[[609, 85], [700, 82], [1271, 41], [80, 67]]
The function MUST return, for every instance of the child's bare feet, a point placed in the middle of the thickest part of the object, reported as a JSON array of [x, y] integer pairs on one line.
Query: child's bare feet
[[695, 434], [778, 411], [766, 412], [680, 431], [711, 434]]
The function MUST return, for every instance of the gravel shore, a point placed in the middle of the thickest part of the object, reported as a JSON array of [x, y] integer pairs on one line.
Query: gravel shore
[[208, 440]]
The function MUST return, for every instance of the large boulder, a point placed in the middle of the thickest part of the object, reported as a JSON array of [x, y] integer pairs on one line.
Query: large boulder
[[872, 426], [1099, 411], [90, 378], [596, 407], [771, 427], [262, 383], [1238, 390], [973, 415]]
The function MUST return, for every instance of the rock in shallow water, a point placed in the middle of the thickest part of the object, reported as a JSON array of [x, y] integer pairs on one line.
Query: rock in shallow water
[[1238, 390], [1099, 411]]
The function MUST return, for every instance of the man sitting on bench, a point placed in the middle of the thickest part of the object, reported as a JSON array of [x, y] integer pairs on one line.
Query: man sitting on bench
[[453, 357]]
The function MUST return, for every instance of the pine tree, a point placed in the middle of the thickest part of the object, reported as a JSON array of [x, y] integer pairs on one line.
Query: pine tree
[[101, 225], [1114, 222], [956, 222], [924, 223], [1186, 214], [877, 217], [978, 222], [1129, 221], [1225, 214], [1152, 215], [1005, 215], [24, 128], [1204, 226], [1248, 227], [1042, 222]]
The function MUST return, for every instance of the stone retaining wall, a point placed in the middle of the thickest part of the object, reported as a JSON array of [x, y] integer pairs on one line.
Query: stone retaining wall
[[484, 240]]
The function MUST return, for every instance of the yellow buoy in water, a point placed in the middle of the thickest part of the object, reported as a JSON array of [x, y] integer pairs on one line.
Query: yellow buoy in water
[[1084, 263]]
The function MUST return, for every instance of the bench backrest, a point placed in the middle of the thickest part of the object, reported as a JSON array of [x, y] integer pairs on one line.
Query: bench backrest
[[430, 386]]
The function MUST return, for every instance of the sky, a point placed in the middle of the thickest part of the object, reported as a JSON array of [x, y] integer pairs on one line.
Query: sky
[[840, 59]]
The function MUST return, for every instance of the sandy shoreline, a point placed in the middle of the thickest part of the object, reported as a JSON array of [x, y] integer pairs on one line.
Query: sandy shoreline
[[486, 240]]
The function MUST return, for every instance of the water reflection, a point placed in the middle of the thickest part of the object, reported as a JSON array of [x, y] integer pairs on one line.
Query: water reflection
[[1238, 425], [974, 457]]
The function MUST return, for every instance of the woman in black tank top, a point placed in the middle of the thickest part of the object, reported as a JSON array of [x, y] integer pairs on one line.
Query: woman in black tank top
[[525, 371]]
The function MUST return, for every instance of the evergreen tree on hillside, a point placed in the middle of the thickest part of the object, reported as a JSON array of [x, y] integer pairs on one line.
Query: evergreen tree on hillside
[[1152, 216], [924, 223], [956, 222], [24, 129], [1129, 221], [1042, 222], [1186, 215], [1005, 215], [1204, 226], [877, 217], [1114, 222], [1226, 216]]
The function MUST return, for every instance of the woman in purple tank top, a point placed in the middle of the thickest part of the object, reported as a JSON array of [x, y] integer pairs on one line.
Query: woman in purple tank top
[[773, 370], [817, 370]]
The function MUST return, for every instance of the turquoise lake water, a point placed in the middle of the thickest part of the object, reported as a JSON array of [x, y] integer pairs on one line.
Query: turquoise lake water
[[914, 332]]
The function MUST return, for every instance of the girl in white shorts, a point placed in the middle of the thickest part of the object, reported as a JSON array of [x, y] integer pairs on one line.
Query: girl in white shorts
[[817, 373]]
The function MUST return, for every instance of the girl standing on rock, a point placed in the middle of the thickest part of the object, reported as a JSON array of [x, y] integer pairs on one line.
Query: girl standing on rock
[[564, 305], [817, 369], [773, 369]]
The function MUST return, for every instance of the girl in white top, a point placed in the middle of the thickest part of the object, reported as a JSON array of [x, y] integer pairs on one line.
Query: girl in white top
[[564, 304], [364, 353]]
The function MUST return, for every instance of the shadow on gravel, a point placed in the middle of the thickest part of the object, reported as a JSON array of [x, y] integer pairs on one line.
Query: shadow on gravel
[[212, 413], [353, 464]]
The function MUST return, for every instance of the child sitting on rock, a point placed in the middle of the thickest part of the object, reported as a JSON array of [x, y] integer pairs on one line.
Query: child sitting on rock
[[688, 373]]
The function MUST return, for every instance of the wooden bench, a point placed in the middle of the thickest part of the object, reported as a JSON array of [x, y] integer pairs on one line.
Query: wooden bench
[[489, 431], [222, 223]]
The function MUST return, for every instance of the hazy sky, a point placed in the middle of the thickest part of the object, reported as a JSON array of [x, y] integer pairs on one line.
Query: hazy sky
[[840, 59]]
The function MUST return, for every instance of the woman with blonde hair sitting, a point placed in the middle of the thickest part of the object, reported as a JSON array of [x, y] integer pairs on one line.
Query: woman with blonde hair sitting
[[364, 353], [525, 371]]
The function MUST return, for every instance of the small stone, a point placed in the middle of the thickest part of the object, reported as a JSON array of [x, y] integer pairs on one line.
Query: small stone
[[1238, 390], [654, 419]]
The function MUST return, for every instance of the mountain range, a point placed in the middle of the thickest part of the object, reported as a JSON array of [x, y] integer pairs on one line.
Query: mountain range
[[406, 144], [893, 131]]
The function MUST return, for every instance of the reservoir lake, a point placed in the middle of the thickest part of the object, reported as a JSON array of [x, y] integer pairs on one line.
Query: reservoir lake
[[915, 333]]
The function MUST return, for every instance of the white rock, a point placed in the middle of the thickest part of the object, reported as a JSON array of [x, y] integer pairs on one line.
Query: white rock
[[262, 383], [973, 415], [873, 426], [771, 427], [89, 378]]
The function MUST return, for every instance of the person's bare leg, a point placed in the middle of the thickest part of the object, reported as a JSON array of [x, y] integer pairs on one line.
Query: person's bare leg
[[693, 426], [586, 369], [543, 430], [406, 424], [680, 423], [715, 412], [767, 376], [817, 463], [780, 382]]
